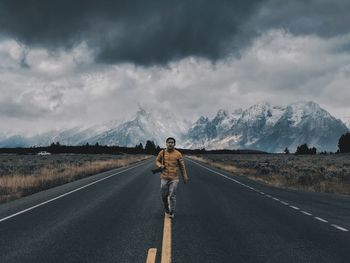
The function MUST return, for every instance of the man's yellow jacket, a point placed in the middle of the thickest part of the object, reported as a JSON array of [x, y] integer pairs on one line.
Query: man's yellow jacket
[[172, 160]]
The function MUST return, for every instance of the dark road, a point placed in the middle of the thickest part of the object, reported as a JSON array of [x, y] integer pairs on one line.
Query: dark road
[[117, 216]]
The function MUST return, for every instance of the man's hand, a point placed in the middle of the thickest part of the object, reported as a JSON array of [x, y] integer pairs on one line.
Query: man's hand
[[186, 180]]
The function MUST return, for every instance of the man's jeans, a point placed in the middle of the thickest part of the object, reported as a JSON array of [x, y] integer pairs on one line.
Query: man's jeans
[[168, 188]]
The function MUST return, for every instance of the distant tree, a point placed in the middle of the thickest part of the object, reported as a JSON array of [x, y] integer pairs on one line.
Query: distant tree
[[158, 149], [150, 147], [313, 150], [139, 147], [57, 144], [286, 151], [96, 144], [304, 149], [344, 143]]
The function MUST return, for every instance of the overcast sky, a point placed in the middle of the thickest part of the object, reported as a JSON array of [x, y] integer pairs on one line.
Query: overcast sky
[[68, 63]]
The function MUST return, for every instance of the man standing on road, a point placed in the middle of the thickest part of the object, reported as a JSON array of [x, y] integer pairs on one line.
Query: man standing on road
[[169, 160]]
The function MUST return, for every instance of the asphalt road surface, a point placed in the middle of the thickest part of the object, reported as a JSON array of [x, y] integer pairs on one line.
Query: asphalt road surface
[[117, 216]]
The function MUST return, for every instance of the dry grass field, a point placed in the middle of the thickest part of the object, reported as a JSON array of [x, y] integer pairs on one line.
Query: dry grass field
[[319, 173], [21, 175]]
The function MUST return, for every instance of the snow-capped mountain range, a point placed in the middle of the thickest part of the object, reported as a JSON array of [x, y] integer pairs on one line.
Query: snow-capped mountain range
[[269, 128], [147, 125], [262, 127]]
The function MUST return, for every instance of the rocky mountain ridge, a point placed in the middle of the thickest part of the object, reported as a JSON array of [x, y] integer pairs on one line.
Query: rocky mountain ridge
[[269, 128], [262, 126]]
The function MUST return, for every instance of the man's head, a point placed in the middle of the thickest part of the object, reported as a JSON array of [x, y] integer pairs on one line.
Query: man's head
[[170, 143]]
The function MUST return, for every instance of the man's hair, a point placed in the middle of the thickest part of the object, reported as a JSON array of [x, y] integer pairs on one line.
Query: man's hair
[[170, 138]]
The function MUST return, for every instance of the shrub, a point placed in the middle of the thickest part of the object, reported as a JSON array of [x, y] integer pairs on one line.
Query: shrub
[[304, 149], [344, 143]]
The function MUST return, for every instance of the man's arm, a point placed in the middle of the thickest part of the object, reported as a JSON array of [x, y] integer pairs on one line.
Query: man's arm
[[159, 159], [183, 168]]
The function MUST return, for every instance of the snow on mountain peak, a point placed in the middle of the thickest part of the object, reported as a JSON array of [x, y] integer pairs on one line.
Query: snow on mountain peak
[[222, 113], [160, 123], [202, 120], [346, 121], [255, 111], [263, 111], [237, 112], [301, 110]]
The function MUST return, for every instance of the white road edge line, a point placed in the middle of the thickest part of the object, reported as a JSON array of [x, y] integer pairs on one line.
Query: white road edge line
[[219, 173], [306, 213], [340, 228], [321, 219], [282, 202], [68, 193]]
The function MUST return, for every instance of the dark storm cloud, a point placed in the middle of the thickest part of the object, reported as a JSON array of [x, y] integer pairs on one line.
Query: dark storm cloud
[[325, 18], [158, 31], [143, 32]]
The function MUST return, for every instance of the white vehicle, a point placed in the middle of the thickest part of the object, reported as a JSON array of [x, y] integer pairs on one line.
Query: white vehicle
[[44, 153]]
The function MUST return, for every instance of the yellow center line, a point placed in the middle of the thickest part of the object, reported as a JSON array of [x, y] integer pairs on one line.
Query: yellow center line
[[151, 257], [166, 243], [166, 246]]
